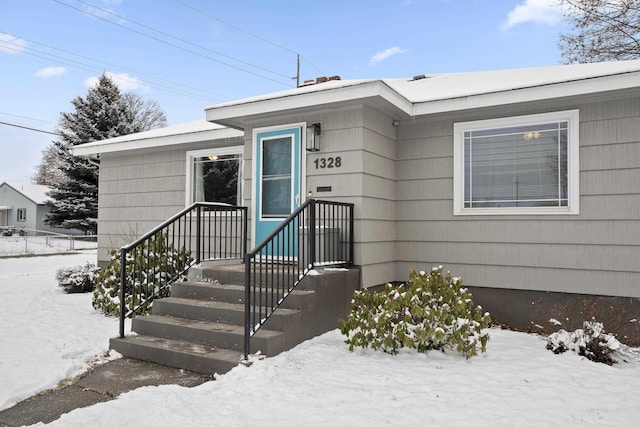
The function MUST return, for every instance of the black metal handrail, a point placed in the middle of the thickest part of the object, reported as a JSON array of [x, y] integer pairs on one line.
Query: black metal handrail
[[318, 233], [163, 255]]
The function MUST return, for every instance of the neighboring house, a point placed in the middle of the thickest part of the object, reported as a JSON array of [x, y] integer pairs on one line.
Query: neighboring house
[[22, 206], [524, 182]]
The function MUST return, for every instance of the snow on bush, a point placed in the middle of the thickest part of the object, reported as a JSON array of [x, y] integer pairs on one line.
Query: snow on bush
[[80, 278], [167, 265], [591, 342], [430, 312]]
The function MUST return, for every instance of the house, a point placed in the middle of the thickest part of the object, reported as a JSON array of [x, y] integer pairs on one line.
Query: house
[[22, 207], [525, 182]]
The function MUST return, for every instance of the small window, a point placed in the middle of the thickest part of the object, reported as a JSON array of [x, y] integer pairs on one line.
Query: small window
[[22, 215], [215, 176], [517, 165]]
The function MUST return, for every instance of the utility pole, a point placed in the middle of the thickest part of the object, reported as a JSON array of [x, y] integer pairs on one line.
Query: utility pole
[[297, 77]]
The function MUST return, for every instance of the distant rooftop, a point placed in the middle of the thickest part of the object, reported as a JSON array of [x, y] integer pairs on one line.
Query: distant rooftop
[[35, 193]]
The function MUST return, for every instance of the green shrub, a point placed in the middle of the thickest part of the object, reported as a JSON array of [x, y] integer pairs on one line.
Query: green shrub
[[77, 279], [430, 312], [150, 283]]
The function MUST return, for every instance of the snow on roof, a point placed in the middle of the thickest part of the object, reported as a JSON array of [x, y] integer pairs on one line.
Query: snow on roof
[[331, 84], [432, 93], [199, 130], [412, 97], [35, 193], [457, 85]]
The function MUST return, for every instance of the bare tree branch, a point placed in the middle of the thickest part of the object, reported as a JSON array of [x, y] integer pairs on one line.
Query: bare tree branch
[[602, 30]]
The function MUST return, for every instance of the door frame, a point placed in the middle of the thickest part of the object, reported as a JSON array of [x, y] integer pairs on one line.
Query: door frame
[[256, 180]]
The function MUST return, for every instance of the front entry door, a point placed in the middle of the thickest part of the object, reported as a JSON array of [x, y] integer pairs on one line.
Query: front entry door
[[277, 185]]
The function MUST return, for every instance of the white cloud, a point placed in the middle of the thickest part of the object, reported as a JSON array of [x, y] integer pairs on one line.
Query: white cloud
[[546, 12], [381, 56], [11, 44], [125, 82], [50, 72]]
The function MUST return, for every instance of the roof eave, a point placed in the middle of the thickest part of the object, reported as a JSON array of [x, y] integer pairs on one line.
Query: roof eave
[[93, 149], [582, 87], [237, 115]]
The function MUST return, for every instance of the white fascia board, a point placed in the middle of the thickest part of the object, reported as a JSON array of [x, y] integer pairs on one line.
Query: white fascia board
[[309, 99], [535, 93], [118, 144]]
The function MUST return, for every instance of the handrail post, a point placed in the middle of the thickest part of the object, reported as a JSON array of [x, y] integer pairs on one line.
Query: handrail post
[[312, 233], [351, 235], [247, 305], [245, 222], [198, 214], [123, 276]]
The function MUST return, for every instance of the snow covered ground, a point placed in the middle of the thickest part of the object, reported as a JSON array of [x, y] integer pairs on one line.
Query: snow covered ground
[[46, 334], [318, 383]]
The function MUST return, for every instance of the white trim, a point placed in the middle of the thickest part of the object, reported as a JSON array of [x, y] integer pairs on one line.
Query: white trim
[[573, 163], [220, 151]]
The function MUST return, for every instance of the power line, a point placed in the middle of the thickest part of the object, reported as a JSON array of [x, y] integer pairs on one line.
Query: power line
[[247, 33], [29, 128], [181, 39], [123, 68], [170, 44], [28, 118], [92, 68]]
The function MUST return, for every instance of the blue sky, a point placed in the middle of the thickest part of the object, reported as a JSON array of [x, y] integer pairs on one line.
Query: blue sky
[[189, 54]]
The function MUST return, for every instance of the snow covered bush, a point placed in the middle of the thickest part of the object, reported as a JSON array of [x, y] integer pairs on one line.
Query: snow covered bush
[[430, 312], [79, 278], [591, 342], [150, 284]]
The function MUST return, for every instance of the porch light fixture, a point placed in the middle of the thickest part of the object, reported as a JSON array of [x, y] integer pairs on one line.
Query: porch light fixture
[[313, 137]]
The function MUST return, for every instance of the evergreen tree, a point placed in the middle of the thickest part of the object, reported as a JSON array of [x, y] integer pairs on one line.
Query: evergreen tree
[[103, 113]]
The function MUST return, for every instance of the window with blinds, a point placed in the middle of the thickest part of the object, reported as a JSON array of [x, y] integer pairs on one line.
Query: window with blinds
[[523, 164]]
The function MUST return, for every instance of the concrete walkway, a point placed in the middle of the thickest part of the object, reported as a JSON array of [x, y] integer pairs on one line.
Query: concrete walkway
[[101, 384]]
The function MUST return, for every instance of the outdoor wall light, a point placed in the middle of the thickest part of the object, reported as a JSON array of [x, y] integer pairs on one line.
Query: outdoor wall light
[[313, 137]]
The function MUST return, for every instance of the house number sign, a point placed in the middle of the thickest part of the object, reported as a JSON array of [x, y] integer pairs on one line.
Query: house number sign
[[328, 162]]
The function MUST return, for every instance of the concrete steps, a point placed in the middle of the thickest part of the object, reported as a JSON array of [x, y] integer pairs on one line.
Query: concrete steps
[[177, 353], [201, 326]]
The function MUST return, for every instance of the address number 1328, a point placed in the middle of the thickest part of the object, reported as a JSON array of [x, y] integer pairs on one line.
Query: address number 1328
[[328, 162]]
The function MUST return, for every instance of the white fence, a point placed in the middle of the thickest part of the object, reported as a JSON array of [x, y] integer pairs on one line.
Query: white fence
[[43, 242]]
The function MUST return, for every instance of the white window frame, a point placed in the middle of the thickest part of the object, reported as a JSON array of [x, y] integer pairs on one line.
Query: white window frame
[[221, 151], [573, 167]]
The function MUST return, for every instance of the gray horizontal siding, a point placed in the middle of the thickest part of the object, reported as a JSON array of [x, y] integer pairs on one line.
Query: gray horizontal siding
[[138, 191], [365, 142], [535, 232], [595, 252], [558, 256]]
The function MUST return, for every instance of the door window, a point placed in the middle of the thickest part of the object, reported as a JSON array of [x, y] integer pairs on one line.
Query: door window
[[276, 177]]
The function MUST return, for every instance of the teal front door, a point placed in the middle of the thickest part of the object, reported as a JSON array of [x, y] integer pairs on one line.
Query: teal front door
[[277, 185]]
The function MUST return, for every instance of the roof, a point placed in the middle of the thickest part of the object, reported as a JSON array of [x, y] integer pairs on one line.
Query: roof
[[401, 97], [438, 93], [35, 193], [196, 131]]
